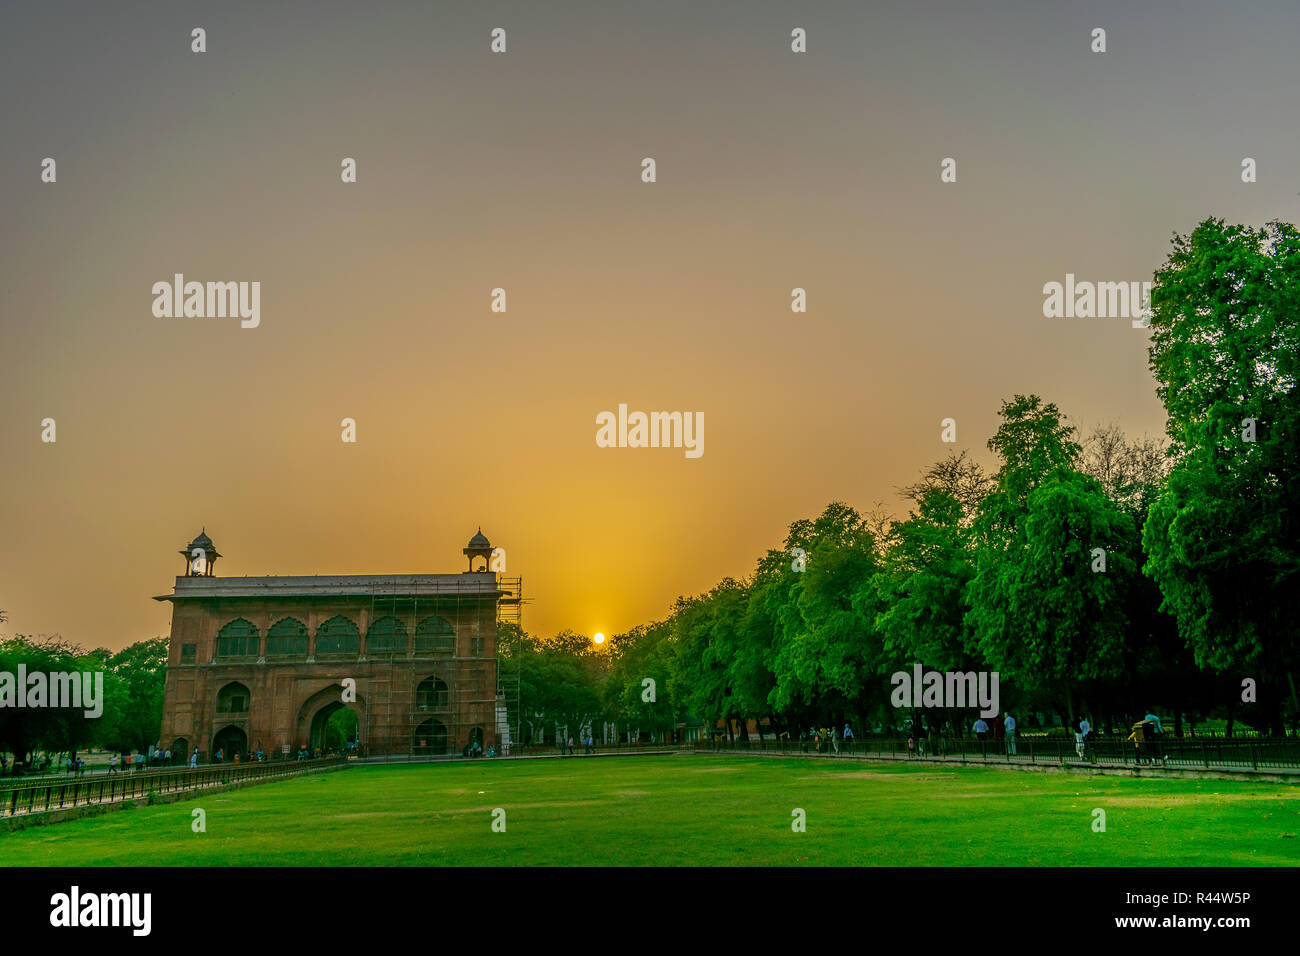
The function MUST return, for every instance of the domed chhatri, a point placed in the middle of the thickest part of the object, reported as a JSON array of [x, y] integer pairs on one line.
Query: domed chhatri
[[200, 555], [479, 547]]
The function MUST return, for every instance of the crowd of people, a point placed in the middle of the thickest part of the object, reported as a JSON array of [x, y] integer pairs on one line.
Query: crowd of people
[[826, 739]]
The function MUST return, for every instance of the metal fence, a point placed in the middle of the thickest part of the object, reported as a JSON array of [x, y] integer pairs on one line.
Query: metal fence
[[41, 796], [1211, 753]]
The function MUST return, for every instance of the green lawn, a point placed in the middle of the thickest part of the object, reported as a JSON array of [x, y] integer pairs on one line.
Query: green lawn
[[685, 809]]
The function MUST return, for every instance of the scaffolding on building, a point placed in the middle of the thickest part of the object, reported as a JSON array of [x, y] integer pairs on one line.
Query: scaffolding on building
[[510, 609], [474, 701]]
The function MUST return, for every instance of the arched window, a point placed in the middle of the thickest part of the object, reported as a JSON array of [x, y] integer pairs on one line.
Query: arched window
[[338, 636], [386, 636], [233, 699], [430, 738], [239, 638], [287, 638], [434, 635], [431, 694]]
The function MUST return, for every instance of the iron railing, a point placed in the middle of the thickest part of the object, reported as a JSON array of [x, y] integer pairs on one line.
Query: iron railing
[[73, 791], [1209, 753]]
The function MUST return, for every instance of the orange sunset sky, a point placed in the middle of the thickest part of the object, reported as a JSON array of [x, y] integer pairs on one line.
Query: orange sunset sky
[[522, 171]]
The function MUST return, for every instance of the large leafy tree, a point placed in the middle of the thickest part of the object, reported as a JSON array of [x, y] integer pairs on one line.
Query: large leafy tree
[[1039, 612], [644, 653], [1222, 539], [28, 729], [827, 652], [706, 631], [560, 682], [133, 718], [919, 597]]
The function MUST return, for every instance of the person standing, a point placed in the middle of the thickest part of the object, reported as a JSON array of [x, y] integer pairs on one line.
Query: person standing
[[848, 737], [1009, 726], [981, 729], [1085, 728]]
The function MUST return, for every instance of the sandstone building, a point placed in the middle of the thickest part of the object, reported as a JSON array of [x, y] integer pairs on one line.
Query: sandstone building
[[261, 663]]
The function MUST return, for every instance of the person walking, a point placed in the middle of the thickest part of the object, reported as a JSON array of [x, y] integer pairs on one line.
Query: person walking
[[834, 742], [194, 759], [112, 763], [1157, 735], [1085, 729], [1009, 727], [848, 737]]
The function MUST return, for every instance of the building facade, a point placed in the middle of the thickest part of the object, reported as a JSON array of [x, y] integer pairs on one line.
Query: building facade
[[264, 663]]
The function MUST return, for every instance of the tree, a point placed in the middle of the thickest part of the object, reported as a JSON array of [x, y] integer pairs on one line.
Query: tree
[[1222, 540], [1132, 472], [646, 652], [133, 719], [919, 597], [560, 683], [1039, 612], [827, 655], [26, 729], [958, 476]]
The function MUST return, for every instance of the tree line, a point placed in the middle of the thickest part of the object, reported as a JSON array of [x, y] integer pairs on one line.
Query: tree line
[[1098, 573], [132, 697]]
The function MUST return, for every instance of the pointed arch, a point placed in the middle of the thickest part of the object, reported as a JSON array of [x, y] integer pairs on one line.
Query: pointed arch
[[338, 637], [238, 638], [434, 635], [287, 637], [387, 635]]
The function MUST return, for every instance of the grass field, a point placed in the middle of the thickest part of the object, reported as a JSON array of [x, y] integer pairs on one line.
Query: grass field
[[690, 810]]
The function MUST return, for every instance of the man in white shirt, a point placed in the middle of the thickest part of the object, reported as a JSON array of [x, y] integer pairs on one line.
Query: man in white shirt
[[1009, 726]]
